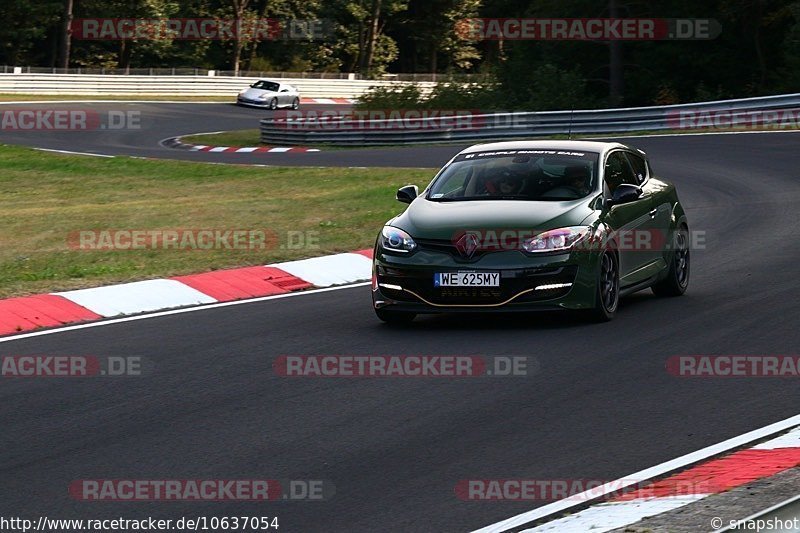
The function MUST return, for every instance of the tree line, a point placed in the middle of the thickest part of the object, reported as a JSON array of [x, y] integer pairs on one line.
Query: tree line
[[757, 51]]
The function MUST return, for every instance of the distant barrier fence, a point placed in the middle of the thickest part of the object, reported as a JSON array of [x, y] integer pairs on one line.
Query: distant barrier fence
[[209, 84], [184, 71], [403, 127]]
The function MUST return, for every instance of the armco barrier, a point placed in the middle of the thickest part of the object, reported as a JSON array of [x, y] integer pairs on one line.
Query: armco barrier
[[768, 110], [108, 85]]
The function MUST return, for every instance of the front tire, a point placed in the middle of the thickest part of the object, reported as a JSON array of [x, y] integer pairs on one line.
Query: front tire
[[395, 317], [677, 280], [273, 104], [607, 289]]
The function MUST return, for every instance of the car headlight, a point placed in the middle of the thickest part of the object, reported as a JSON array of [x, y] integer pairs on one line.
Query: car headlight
[[397, 240], [241, 93], [556, 240], [263, 96]]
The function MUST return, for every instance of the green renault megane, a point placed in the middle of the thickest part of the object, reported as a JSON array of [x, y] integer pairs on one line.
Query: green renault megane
[[533, 225]]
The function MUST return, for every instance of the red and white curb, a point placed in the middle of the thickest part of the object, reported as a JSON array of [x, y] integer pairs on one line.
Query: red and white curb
[[675, 491], [249, 149], [45, 310], [176, 142]]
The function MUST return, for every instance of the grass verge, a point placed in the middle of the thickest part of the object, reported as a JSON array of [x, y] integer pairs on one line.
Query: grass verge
[[46, 197]]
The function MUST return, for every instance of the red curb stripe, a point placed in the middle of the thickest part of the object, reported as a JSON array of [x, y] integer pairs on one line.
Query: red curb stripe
[[722, 474], [23, 314], [366, 253], [240, 283]]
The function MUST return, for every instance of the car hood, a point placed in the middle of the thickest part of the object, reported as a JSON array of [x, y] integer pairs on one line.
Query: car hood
[[425, 219], [255, 93]]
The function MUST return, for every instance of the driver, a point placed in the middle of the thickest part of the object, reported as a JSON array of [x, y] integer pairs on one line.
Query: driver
[[505, 184], [578, 178]]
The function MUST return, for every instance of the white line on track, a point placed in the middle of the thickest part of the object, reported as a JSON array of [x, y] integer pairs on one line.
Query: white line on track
[[177, 312], [68, 152], [648, 473]]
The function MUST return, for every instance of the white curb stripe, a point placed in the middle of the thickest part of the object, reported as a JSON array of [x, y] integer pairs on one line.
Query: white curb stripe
[[324, 101], [612, 515], [788, 440], [247, 150], [330, 270], [279, 150], [137, 297], [219, 149]]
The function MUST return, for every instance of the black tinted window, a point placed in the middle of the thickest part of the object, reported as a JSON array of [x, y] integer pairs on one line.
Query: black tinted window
[[639, 167], [618, 171]]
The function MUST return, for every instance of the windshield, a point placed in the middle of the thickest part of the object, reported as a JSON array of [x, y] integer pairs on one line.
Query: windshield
[[540, 175], [266, 85]]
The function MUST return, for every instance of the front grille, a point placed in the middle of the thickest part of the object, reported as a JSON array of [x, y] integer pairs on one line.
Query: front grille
[[512, 282], [448, 247]]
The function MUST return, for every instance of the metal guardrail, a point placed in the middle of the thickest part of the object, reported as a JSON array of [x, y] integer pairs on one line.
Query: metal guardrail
[[192, 71], [782, 110], [183, 85]]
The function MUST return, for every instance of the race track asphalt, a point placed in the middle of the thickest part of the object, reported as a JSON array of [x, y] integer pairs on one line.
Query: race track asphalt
[[601, 405]]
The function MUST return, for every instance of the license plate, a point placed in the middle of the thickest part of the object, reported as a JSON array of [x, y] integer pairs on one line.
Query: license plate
[[467, 279]]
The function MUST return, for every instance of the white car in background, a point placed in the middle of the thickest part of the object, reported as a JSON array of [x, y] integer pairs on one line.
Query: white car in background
[[270, 94]]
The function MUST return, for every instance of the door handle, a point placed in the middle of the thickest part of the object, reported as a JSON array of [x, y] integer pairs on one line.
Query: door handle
[[653, 213]]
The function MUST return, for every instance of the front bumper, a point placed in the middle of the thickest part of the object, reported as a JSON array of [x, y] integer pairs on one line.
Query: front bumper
[[557, 281], [252, 103]]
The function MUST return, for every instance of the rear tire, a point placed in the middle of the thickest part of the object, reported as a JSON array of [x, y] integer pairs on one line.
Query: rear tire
[[677, 280], [296, 103], [607, 289], [395, 317]]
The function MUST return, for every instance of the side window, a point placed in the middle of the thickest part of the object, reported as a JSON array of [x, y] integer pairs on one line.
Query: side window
[[618, 171], [639, 168], [454, 183]]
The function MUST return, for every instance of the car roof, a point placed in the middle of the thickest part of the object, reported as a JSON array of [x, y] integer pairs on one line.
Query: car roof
[[582, 146]]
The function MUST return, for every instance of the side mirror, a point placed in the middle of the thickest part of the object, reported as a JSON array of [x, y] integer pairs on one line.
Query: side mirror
[[624, 193], [407, 194]]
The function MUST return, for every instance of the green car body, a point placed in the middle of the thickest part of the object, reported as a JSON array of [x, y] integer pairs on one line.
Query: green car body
[[631, 230]]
